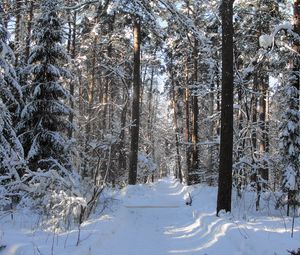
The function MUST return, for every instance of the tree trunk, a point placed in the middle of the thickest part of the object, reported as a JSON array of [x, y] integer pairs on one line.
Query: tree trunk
[[150, 107], [210, 163], [218, 98], [90, 101], [121, 149], [175, 119], [5, 18], [29, 28], [263, 87], [133, 156], [17, 32], [195, 112], [187, 136], [90, 93], [226, 146], [72, 49]]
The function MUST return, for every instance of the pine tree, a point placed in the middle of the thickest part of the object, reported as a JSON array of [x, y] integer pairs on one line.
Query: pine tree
[[44, 118]]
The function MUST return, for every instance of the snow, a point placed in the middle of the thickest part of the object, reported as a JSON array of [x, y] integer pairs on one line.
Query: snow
[[265, 41], [153, 219]]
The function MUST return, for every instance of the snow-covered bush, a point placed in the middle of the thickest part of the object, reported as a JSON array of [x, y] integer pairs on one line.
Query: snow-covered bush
[[295, 252], [55, 193], [146, 166], [65, 209]]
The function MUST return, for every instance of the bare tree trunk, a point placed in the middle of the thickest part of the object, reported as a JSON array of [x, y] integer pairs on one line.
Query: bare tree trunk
[[226, 146], [218, 99], [211, 136], [133, 157], [240, 149], [17, 32], [143, 83], [262, 124], [195, 112], [5, 6], [29, 28], [150, 104], [105, 103], [111, 93], [122, 156], [256, 175], [254, 118], [91, 90], [187, 136], [81, 105], [90, 101], [72, 49], [175, 119]]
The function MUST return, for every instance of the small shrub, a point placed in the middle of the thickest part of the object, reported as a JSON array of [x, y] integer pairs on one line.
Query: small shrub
[[294, 252]]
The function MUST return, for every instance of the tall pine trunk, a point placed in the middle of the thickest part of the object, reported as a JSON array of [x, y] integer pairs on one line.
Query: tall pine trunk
[[134, 147], [195, 178], [187, 136], [29, 28], [175, 120], [72, 51], [226, 146]]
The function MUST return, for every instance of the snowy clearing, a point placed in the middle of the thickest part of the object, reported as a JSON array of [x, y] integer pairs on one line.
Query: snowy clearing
[[154, 220]]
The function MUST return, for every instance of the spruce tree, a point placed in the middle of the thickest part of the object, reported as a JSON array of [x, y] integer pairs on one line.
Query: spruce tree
[[290, 128], [45, 116], [290, 137], [11, 151]]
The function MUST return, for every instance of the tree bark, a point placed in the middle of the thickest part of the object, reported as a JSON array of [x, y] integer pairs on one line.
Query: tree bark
[[29, 28], [187, 136], [90, 101], [195, 112], [226, 146], [263, 87], [175, 119], [72, 48], [133, 156], [17, 32]]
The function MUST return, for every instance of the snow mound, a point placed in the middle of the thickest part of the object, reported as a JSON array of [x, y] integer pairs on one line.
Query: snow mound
[[265, 41]]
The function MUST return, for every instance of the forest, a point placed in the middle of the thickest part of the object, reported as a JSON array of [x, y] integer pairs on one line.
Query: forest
[[99, 97]]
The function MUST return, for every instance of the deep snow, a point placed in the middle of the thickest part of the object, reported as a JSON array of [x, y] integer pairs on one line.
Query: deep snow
[[153, 219]]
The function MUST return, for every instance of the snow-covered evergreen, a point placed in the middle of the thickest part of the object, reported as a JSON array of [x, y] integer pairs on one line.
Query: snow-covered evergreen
[[44, 121], [290, 139], [11, 151], [11, 93]]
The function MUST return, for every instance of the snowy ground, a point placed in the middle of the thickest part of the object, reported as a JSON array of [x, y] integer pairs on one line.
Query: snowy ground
[[137, 225]]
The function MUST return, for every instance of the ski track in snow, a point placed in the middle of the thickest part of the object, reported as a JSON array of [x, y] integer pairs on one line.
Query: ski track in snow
[[187, 230]]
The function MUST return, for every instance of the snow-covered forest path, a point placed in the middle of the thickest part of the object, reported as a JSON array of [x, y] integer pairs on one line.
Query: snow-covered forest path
[[153, 219], [147, 222]]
